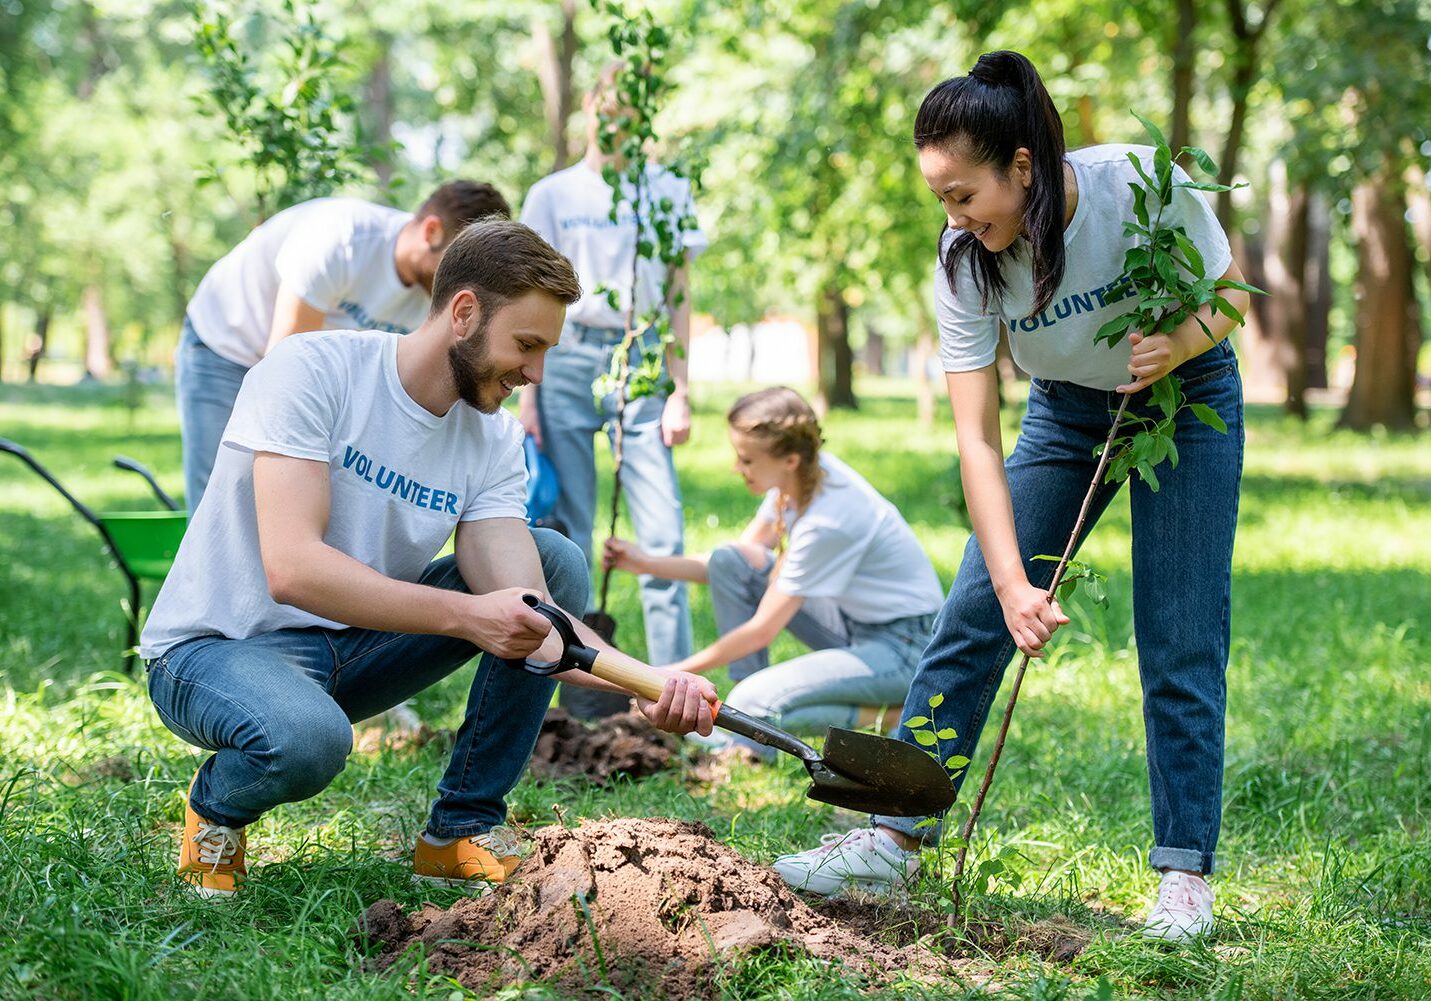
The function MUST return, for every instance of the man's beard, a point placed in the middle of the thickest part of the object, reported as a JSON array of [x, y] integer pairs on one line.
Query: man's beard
[[471, 370]]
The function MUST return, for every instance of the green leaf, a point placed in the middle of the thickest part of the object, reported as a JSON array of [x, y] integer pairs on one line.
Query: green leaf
[[1153, 130], [1227, 309], [1190, 252], [1229, 283], [1201, 158], [947, 733], [927, 822], [936, 700], [917, 721], [956, 761], [1149, 477], [1140, 204], [1208, 416], [1138, 166], [1163, 169], [925, 737], [1165, 397]]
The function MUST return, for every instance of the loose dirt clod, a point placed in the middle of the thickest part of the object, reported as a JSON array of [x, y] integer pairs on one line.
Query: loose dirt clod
[[650, 906], [625, 744]]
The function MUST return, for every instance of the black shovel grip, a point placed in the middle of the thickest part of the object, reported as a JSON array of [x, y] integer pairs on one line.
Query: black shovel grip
[[575, 655]]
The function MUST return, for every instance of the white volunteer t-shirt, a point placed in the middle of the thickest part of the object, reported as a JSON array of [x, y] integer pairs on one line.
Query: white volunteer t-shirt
[[1057, 342], [401, 479], [571, 209], [335, 253], [853, 546]]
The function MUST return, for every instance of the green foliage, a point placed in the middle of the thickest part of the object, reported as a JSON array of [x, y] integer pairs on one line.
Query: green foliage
[[1078, 575], [285, 109], [1168, 277], [626, 131]]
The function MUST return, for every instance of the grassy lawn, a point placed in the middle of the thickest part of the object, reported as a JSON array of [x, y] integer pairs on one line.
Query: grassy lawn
[[1326, 885]]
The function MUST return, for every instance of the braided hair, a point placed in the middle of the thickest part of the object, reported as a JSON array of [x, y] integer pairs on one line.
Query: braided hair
[[783, 424]]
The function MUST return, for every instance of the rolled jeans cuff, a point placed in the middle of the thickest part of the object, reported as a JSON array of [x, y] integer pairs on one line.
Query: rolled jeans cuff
[[1189, 859]]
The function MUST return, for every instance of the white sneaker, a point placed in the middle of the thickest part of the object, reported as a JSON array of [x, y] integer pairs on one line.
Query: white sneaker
[[1183, 911], [867, 859]]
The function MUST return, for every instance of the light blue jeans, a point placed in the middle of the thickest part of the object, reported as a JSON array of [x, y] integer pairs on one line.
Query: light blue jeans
[[206, 385], [1182, 593], [277, 709], [570, 420], [853, 664]]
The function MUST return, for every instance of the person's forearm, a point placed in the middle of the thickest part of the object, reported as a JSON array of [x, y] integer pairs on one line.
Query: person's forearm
[[742, 641], [328, 583], [687, 568], [986, 491], [1193, 340]]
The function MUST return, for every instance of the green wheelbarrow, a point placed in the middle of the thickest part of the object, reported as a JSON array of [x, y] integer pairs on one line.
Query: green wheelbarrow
[[143, 543]]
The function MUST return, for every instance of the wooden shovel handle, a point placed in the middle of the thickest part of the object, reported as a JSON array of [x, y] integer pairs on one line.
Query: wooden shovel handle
[[647, 682]]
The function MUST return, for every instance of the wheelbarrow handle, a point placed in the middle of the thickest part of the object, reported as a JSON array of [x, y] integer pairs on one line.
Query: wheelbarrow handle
[[21, 453], [135, 466], [649, 682]]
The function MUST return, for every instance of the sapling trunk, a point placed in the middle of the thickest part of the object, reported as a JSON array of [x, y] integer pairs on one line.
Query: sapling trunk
[[967, 834], [619, 435]]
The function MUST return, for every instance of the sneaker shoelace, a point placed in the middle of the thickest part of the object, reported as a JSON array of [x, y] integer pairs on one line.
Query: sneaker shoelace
[[501, 841], [1178, 895], [217, 845], [862, 838]]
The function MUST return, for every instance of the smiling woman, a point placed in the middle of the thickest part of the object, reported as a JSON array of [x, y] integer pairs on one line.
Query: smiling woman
[[1035, 240]]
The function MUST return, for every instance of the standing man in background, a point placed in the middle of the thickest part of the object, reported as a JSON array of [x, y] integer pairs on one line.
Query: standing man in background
[[572, 210], [329, 263]]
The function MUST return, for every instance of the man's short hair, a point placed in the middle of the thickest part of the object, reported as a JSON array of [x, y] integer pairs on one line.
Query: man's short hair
[[460, 203], [500, 261]]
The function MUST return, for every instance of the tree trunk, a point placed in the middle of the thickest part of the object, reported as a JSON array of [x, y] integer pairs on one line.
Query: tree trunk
[[1418, 200], [39, 342], [555, 57], [836, 372], [1245, 70], [1184, 56], [380, 110], [874, 351], [1388, 328], [1284, 263], [97, 362], [1319, 288]]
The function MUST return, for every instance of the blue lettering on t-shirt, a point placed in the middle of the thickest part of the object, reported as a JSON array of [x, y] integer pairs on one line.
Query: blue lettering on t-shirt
[[389, 481], [1075, 304], [363, 320]]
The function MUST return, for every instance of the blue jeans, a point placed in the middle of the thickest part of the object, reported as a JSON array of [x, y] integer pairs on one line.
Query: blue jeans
[[853, 664], [1182, 582], [570, 419], [277, 709], [206, 385]]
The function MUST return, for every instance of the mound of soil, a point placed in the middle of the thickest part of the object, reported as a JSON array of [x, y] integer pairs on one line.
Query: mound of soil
[[626, 744], [651, 906]]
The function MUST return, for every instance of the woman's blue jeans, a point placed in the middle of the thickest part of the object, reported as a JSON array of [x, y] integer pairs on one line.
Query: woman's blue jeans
[[278, 709], [1182, 581]]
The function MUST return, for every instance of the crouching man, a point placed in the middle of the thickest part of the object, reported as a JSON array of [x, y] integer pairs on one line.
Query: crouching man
[[306, 594]]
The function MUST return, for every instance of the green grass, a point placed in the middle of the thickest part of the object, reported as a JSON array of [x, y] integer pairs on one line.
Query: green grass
[[1326, 890]]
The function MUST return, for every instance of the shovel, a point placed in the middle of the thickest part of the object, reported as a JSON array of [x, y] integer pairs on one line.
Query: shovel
[[856, 771]]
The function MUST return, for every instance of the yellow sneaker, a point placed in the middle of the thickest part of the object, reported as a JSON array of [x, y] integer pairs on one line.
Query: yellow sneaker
[[211, 856], [479, 862]]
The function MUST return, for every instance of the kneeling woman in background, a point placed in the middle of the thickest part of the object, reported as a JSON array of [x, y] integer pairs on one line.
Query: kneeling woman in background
[[827, 557]]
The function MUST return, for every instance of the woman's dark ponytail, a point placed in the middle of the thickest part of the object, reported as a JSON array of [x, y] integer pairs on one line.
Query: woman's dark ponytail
[[1000, 106]]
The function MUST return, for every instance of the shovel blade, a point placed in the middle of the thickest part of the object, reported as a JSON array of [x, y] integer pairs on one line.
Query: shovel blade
[[862, 772]]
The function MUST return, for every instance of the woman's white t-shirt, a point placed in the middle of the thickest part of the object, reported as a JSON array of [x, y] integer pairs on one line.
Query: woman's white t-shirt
[[851, 545], [1057, 342]]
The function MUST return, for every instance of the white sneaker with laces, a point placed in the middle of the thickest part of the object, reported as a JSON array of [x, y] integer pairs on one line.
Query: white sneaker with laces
[[1183, 911], [866, 859]]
